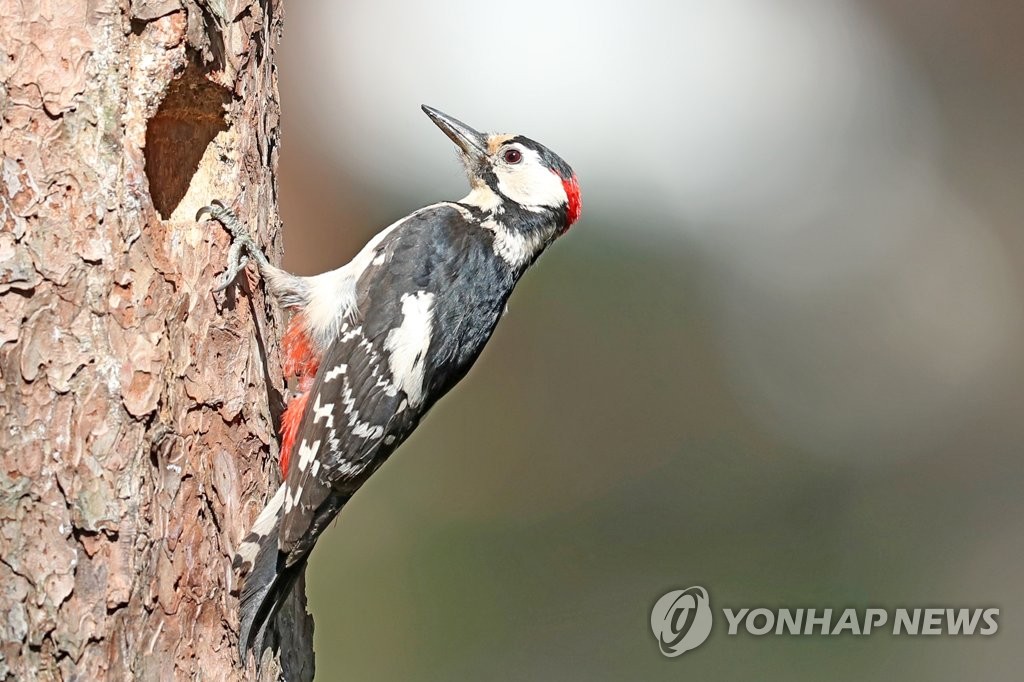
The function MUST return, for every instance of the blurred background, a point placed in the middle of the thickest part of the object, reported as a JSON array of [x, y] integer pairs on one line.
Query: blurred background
[[780, 356]]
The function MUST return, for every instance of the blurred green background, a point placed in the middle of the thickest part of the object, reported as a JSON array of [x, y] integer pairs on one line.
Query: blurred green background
[[779, 357]]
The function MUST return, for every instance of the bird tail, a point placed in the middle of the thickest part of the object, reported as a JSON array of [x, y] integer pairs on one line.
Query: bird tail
[[268, 581]]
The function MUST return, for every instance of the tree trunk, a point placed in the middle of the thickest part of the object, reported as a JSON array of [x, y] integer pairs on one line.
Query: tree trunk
[[138, 410]]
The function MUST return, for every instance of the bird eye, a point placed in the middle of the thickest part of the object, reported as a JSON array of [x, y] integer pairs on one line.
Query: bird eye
[[513, 156]]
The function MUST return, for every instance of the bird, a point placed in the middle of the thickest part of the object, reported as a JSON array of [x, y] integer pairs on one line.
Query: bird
[[375, 343]]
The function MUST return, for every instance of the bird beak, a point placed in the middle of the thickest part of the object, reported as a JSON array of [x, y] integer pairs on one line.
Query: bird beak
[[472, 143]]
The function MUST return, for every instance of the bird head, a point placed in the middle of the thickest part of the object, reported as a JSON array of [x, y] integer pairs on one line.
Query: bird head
[[514, 173]]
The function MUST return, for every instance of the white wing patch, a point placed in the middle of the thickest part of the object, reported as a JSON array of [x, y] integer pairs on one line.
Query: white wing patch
[[407, 344], [334, 373], [324, 412], [265, 522], [268, 517], [307, 453], [368, 431]]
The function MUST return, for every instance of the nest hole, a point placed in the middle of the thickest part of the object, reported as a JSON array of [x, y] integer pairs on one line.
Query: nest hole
[[191, 115]]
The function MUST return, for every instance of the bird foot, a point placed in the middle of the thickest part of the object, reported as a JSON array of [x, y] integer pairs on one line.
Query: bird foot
[[242, 244]]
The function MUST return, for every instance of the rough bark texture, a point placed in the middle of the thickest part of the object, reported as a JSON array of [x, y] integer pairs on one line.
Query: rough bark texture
[[137, 409]]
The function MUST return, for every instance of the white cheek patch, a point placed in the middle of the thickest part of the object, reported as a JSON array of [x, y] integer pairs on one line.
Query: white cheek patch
[[530, 184]]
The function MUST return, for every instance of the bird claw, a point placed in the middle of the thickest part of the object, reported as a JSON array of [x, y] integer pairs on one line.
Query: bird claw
[[236, 264], [242, 244]]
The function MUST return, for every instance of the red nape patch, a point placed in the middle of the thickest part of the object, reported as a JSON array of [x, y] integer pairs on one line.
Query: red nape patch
[[572, 190], [299, 355], [290, 426]]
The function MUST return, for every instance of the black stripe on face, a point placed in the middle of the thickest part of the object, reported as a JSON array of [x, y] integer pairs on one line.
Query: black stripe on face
[[490, 177]]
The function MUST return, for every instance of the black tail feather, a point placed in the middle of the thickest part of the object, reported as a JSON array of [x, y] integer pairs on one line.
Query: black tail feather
[[269, 574], [267, 586]]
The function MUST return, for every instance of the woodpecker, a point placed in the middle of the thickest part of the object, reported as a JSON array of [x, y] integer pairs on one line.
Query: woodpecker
[[375, 343]]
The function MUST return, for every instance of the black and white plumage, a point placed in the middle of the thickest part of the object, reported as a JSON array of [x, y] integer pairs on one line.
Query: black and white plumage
[[391, 333]]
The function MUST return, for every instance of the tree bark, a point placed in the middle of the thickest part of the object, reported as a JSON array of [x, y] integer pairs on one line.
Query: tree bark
[[138, 410]]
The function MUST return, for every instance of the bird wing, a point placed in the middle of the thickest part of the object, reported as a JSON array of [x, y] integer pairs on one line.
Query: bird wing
[[369, 390], [401, 346], [350, 425]]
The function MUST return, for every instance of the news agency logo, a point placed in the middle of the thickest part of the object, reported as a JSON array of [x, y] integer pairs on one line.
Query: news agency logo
[[681, 620]]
